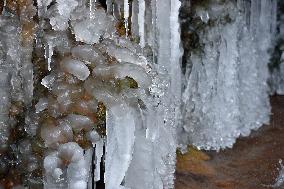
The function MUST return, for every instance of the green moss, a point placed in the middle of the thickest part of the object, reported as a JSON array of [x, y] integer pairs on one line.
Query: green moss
[[126, 83]]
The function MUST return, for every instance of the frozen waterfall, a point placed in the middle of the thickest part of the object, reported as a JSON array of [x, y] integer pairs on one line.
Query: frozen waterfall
[[120, 86]]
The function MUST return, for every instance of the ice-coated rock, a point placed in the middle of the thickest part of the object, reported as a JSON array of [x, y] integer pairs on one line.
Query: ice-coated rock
[[88, 53], [41, 105], [123, 70], [76, 68], [79, 122], [126, 54], [66, 168]]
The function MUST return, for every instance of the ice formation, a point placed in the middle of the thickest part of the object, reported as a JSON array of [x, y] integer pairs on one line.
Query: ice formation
[[226, 91], [102, 89], [83, 86], [16, 84]]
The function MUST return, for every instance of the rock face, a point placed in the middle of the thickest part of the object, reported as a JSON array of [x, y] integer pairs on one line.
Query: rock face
[[226, 70]]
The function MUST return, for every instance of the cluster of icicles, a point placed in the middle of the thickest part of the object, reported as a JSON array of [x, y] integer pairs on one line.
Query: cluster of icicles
[[96, 74], [77, 86]]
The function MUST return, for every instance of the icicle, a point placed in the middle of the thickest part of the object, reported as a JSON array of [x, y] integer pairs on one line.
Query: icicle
[[153, 34], [163, 33], [126, 15], [109, 6], [88, 156], [134, 19], [91, 7], [119, 146], [176, 50], [48, 54], [99, 153], [92, 4], [141, 22]]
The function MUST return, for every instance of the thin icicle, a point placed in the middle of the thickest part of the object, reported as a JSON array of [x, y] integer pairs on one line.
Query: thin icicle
[[141, 22], [126, 14], [91, 7], [99, 154], [49, 54], [176, 50], [134, 19], [88, 158], [92, 4], [109, 6]]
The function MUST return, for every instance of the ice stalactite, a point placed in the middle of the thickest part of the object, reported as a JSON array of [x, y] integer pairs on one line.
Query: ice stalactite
[[99, 151], [126, 15], [226, 92], [109, 4], [141, 22]]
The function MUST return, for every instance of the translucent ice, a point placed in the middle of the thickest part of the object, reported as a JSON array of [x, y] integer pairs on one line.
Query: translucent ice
[[91, 29], [76, 68], [119, 144], [66, 168], [60, 13]]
